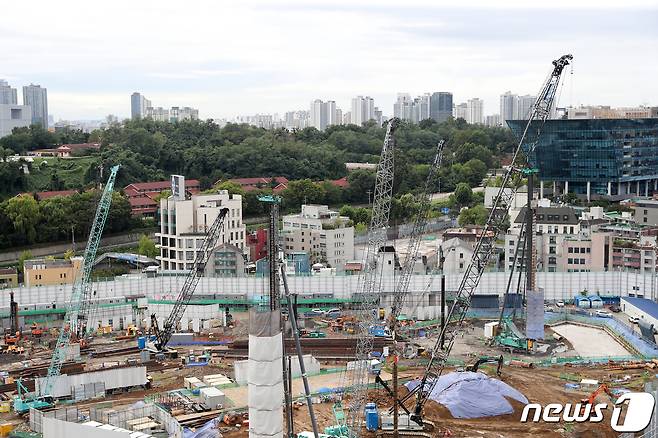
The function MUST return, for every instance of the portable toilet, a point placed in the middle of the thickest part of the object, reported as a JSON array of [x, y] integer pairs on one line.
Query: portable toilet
[[372, 417], [582, 302], [596, 301], [141, 342]]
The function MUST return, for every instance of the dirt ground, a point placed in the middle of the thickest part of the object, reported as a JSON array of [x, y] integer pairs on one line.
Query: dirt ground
[[539, 385]]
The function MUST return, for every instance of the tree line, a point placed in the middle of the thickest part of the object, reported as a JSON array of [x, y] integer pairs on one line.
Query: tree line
[[148, 150]]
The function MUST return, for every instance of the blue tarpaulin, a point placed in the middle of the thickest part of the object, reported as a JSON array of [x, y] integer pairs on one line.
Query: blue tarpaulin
[[473, 395], [208, 430]]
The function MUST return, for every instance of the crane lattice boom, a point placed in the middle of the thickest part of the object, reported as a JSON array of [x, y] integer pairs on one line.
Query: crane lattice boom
[[370, 281], [485, 245], [191, 281], [420, 224], [80, 292]]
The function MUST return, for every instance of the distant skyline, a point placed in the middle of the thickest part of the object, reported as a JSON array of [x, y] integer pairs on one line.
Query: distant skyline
[[248, 57]]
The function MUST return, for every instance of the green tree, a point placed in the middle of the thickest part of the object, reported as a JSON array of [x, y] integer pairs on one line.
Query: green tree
[[463, 194], [147, 247], [301, 192], [231, 187], [473, 216], [25, 255], [23, 211]]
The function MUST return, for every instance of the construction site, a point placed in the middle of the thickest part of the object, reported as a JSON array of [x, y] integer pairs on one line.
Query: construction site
[[402, 355]]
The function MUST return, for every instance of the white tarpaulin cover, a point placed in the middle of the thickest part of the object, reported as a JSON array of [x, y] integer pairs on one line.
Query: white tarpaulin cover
[[473, 395], [265, 376]]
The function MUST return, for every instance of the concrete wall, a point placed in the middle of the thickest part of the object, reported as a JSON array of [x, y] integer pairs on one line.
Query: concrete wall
[[560, 285]]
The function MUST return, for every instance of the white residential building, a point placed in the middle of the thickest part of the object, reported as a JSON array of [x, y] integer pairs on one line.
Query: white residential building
[[8, 94], [363, 110], [14, 116], [184, 222], [460, 111], [475, 111], [509, 107], [322, 233]]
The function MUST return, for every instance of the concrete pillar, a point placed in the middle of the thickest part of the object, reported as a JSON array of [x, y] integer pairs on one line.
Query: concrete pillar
[[646, 188], [589, 188], [609, 188], [541, 189], [554, 189], [566, 187], [637, 188], [628, 188], [655, 184], [619, 188]]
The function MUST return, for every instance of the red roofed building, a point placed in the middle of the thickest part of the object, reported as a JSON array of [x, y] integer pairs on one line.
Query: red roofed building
[[249, 184], [342, 182], [142, 195], [66, 150]]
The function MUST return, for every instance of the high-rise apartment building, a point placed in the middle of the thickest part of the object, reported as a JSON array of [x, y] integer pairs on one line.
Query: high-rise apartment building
[[509, 106], [441, 106], [412, 110], [524, 106], [492, 120], [8, 94], [513, 107], [363, 110], [139, 106], [323, 114], [403, 107], [36, 98], [461, 111], [475, 111], [176, 114]]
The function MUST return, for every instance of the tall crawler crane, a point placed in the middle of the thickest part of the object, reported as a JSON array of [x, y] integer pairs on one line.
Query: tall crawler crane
[[485, 245], [75, 315], [370, 280]]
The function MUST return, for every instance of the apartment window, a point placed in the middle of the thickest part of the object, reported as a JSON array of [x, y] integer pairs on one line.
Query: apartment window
[[511, 243], [570, 261], [570, 250], [646, 212], [644, 219], [582, 261], [571, 230], [588, 250]]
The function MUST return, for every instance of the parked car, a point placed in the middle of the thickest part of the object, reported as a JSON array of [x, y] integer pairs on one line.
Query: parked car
[[548, 308], [603, 314], [315, 312], [333, 313], [559, 303], [634, 319], [615, 308]]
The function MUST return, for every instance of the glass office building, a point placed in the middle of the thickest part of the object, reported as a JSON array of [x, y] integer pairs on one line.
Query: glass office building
[[609, 157]]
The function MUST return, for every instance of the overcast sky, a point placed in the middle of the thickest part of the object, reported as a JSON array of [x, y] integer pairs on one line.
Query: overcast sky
[[247, 57]]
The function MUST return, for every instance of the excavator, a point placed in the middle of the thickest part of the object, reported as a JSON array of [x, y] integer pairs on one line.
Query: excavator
[[592, 397], [486, 359]]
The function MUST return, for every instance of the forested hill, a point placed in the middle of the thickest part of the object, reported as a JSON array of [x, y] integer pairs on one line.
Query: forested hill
[[149, 151]]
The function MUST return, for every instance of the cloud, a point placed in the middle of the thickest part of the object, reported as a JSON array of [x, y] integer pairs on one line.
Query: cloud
[[229, 58]]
